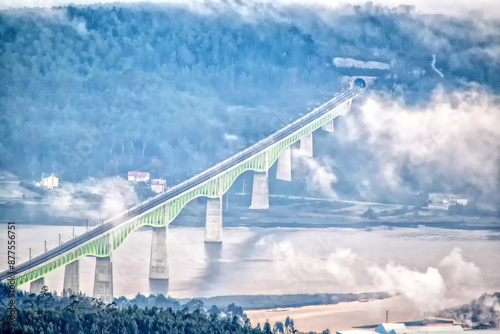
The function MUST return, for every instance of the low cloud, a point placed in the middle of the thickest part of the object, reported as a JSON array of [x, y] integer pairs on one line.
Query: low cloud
[[484, 8], [337, 264], [460, 275], [57, 15], [452, 280], [425, 289], [317, 172], [452, 144], [91, 199]]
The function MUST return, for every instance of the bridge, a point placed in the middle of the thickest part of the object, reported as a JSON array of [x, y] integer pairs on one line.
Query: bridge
[[159, 211]]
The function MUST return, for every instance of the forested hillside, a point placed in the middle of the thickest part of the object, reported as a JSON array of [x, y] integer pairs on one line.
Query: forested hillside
[[481, 313], [98, 91]]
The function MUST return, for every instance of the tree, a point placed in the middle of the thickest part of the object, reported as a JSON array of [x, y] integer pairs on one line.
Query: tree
[[278, 327], [214, 309], [289, 324], [235, 310], [267, 327], [248, 324]]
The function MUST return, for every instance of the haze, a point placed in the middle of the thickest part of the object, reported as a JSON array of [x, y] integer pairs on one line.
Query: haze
[[485, 8]]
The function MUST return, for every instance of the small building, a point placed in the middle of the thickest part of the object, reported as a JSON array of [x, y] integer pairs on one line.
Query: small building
[[440, 329], [50, 182], [357, 331], [401, 328], [158, 185], [138, 176], [391, 328], [444, 201]]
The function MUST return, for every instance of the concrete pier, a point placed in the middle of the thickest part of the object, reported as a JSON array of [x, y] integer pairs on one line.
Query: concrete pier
[[284, 170], [158, 264], [347, 108], [213, 222], [260, 192], [37, 285], [103, 279], [328, 127], [306, 145], [71, 284]]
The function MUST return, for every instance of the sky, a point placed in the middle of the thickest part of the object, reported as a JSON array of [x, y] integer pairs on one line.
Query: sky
[[488, 8]]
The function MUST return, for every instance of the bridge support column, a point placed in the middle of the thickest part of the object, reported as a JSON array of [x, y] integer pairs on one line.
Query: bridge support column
[[348, 108], [158, 264], [103, 279], [213, 222], [260, 192], [284, 170], [328, 127], [306, 145], [37, 285], [71, 279]]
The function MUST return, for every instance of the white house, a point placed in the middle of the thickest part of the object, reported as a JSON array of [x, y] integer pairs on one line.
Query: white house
[[50, 182], [158, 185], [138, 176]]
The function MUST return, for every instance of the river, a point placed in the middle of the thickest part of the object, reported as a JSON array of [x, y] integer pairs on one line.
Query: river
[[255, 260]]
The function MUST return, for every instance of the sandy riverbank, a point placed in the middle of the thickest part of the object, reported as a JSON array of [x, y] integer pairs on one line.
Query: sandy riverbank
[[340, 316]]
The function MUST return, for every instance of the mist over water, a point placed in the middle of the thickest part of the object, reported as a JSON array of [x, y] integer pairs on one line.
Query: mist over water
[[433, 268]]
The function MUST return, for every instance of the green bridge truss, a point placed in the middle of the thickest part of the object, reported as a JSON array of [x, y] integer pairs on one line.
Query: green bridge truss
[[156, 218], [97, 247]]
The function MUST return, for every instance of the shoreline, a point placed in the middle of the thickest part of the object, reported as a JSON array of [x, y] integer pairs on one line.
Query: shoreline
[[341, 316]]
